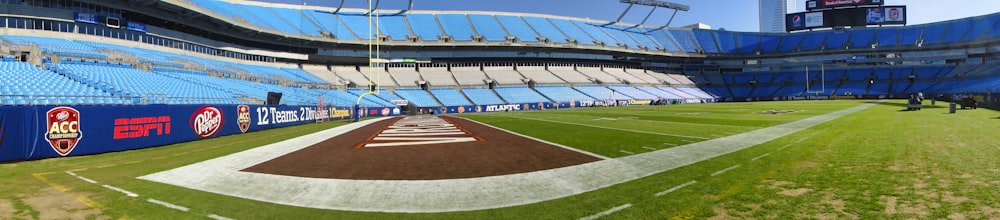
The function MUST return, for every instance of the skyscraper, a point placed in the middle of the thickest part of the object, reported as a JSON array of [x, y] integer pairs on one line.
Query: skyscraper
[[772, 15]]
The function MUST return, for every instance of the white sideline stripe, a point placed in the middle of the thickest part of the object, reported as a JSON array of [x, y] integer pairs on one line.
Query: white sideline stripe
[[126, 192], [675, 188], [85, 179], [761, 156], [544, 141], [71, 173], [716, 173], [607, 212], [222, 175], [627, 152], [168, 205], [602, 127], [783, 147], [649, 148], [217, 217]]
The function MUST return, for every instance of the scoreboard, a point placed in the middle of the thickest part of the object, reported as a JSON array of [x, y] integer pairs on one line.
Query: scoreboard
[[845, 13]]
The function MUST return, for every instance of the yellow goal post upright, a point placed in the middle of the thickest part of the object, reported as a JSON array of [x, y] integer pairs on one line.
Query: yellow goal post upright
[[375, 62]]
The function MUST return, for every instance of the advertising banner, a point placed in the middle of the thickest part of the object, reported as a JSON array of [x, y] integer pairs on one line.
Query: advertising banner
[[844, 3], [85, 18], [814, 19], [875, 16], [135, 26], [35, 132], [795, 21], [895, 14]]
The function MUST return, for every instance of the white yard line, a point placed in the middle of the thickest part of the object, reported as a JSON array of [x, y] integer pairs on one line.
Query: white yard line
[[625, 151], [217, 217], [720, 172], [675, 188], [168, 205], [607, 212], [126, 192], [85, 179], [761, 156], [783, 147], [222, 175], [544, 141], [649, 148]]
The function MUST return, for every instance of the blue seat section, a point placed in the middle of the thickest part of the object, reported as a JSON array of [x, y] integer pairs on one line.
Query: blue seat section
[[707, 40], [617, 32], [59, 47], [572, 31], [659, 93], [879, 88], [394, 26], [450, 97], [918, 87], [957, 30], [858, 74], [304, 76], [852, 88], [295, 18], [644, 39], [769, 43], [457, 26], [518, 28], [683, 38], [664, 40], [741, 91], [425, 26], [223, 8], [360, 24], [981, 27], [348, 98], [727, 42], [562, 93], [487, 26], [330, 23], [633, 92], [545, 28], [601, 93], [157, 88], [517, 95], [934, 33], [718, 91], [812, 40], [926, 72], [482, 96], [686, 92], [260, 15], [597, 33], [23, 84], [417, 97], [882, 74], [861, 38], [790, 42], [887, 37], [748, 42], [909, 36], [763, 91], [838, 39], [383, 97]]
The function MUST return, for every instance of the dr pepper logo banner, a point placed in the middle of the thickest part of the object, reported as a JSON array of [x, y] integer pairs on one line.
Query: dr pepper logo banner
[[64, 129], [243, 117], [206, 121]]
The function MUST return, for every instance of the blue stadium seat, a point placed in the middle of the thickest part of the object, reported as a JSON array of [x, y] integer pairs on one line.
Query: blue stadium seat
[[665, 41], [908, 36], [706, 39], [545, 29], [837, 40], [518, 28], [331, 24], [617, 32], [359, 24], [887, 37], [934, 33], [417, 97], [393, 26], [684, 40], [727, 42], [597, 33], [769, 42], [981, 28], [748, 42], [457, 26], [790, 42], [518, 95], [482, 96], [812, 40], [572, 31], [957, 30], [862, 38], [488, 27], [425, 26], [562, 94], [450, 97]]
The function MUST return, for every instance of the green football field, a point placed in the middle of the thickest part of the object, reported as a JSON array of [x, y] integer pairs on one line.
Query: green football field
[[878, 163]]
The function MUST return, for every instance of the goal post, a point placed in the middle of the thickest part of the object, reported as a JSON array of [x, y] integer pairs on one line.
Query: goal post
[[822, 81]]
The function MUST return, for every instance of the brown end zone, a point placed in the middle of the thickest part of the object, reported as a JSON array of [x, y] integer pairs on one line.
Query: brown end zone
[[493, 153]]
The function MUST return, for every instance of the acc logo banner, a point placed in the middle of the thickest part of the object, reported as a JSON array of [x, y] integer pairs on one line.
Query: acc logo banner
[[206, 121], [64, 129], [243, 117]]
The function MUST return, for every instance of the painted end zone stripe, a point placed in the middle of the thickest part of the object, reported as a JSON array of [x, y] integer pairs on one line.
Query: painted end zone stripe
[[608, 212], [675, 188]]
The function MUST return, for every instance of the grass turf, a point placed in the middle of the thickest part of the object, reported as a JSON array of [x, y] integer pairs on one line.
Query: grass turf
[[878, 163]]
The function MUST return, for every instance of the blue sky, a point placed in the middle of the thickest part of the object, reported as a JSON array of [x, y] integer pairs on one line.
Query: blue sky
[[735, 15]]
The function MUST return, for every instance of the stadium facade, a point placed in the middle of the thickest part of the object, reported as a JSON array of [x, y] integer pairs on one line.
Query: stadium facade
[[189, 54]]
